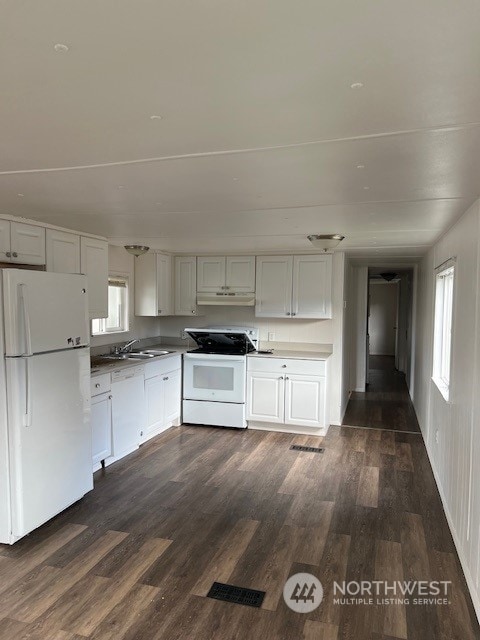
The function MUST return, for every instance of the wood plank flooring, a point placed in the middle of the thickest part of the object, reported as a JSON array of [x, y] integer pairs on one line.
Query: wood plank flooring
[[135, 558], [386, 403]]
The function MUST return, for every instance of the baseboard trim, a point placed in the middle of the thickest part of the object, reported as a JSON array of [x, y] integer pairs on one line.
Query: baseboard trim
[[287, 428]]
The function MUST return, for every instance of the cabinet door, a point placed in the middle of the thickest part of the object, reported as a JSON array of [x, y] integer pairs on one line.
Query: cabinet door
[[154, 398], [63, 252], [101, 419], [240, 273], [211, 274], [27, 243], [5, 241], [312, 286], [274, 286], [305, 400], [172, 382], [94, 264], [265, 397], [185, 286], [164, 285]]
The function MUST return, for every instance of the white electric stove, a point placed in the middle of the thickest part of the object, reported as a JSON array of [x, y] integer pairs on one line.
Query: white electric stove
[[215, 376]]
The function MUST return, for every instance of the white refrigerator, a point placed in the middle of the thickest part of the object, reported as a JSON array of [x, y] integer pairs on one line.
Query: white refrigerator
[[45, 434]]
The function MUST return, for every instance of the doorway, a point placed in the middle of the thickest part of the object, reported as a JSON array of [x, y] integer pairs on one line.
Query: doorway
[[380, 396]]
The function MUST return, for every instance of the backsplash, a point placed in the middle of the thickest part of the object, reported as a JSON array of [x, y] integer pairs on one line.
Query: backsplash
[[318, 332]]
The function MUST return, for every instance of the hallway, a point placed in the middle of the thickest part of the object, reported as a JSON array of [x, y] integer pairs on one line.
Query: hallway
[[386, 404]]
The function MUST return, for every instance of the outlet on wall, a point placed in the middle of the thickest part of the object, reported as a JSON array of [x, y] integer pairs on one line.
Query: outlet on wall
[[271, 336]]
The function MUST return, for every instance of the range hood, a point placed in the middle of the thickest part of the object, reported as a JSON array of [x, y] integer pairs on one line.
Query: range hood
[[226, 299]]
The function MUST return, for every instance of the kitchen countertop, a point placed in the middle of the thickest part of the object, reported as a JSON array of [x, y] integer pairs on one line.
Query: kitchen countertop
[[297, 355], [100, 365]]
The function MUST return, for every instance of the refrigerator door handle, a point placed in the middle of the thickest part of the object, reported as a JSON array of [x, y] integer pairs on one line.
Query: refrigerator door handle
[[26, 319], [28, 395]]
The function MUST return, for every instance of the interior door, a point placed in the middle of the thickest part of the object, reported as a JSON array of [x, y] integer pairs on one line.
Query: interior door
[[44, 311], [305, 400], [50, 447]]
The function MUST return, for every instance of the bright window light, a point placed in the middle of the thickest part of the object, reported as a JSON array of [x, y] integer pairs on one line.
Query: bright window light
[[117, 321], [442, 348]]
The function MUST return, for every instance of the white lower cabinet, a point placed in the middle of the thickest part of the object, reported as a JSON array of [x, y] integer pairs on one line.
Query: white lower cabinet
[[288, 392], [265, 397], [163, 395], [128, 410], [305, 400], [101, 418]]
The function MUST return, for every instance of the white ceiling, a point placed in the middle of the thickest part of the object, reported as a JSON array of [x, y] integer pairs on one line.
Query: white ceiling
[[260, 135]]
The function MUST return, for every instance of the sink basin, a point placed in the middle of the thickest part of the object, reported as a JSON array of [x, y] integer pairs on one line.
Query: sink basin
[[140, 356], [151, 352]]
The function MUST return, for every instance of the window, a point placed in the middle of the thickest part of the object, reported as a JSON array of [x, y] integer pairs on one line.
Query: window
[[117, 320], [442, 349]]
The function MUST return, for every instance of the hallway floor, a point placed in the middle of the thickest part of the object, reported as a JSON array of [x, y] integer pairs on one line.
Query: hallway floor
[[386, 404]]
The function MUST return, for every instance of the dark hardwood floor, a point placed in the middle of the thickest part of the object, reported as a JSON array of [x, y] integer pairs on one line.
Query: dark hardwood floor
[[135, 558], [386, 403]]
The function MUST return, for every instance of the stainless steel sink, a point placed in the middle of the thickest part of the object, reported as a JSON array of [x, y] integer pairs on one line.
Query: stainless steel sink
[[151, 352], [140, 356]]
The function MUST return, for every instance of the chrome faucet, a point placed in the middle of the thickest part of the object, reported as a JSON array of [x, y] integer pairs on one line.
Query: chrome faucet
[[126, 347]]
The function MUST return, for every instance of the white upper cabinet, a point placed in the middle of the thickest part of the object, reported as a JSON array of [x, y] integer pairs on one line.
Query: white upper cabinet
[[274, 286], [185, 286], [240, 274], [63, 252], [153, 285], [94, 264], [312, 286], [22, 243], [211, 274], [219, 274], [4, 240], [294, 286]]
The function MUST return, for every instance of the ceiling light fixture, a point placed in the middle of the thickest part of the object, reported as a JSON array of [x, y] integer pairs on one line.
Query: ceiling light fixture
[[136, 249], [356, 85], [326, 241], [388, 276], [60, 48]]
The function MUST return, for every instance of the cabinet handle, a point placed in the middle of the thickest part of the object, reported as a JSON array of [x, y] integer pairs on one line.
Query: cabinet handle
[[288, 313], [8, 254], [284, 366], [15, 254], [287, 378], [166, 378], [294, 314], [97, 386], [159, 311], [110, 397], [193, 311], [280, 378]]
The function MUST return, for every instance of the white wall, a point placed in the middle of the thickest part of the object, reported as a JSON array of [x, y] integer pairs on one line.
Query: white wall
[[383, 318], [356, 327], [452, 429], [294, 332], [122, 263]]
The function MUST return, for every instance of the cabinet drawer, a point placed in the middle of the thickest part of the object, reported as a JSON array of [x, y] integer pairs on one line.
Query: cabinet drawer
[[157, 367], [100, 384], [284, 365]]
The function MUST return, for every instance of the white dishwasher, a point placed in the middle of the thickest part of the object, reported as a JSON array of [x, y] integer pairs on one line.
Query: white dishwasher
[[128, 409]]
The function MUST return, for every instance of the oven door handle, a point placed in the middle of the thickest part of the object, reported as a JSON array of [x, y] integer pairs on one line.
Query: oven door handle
[[224, 360]]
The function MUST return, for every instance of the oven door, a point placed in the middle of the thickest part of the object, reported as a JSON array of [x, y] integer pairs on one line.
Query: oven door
[[214, 377]]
